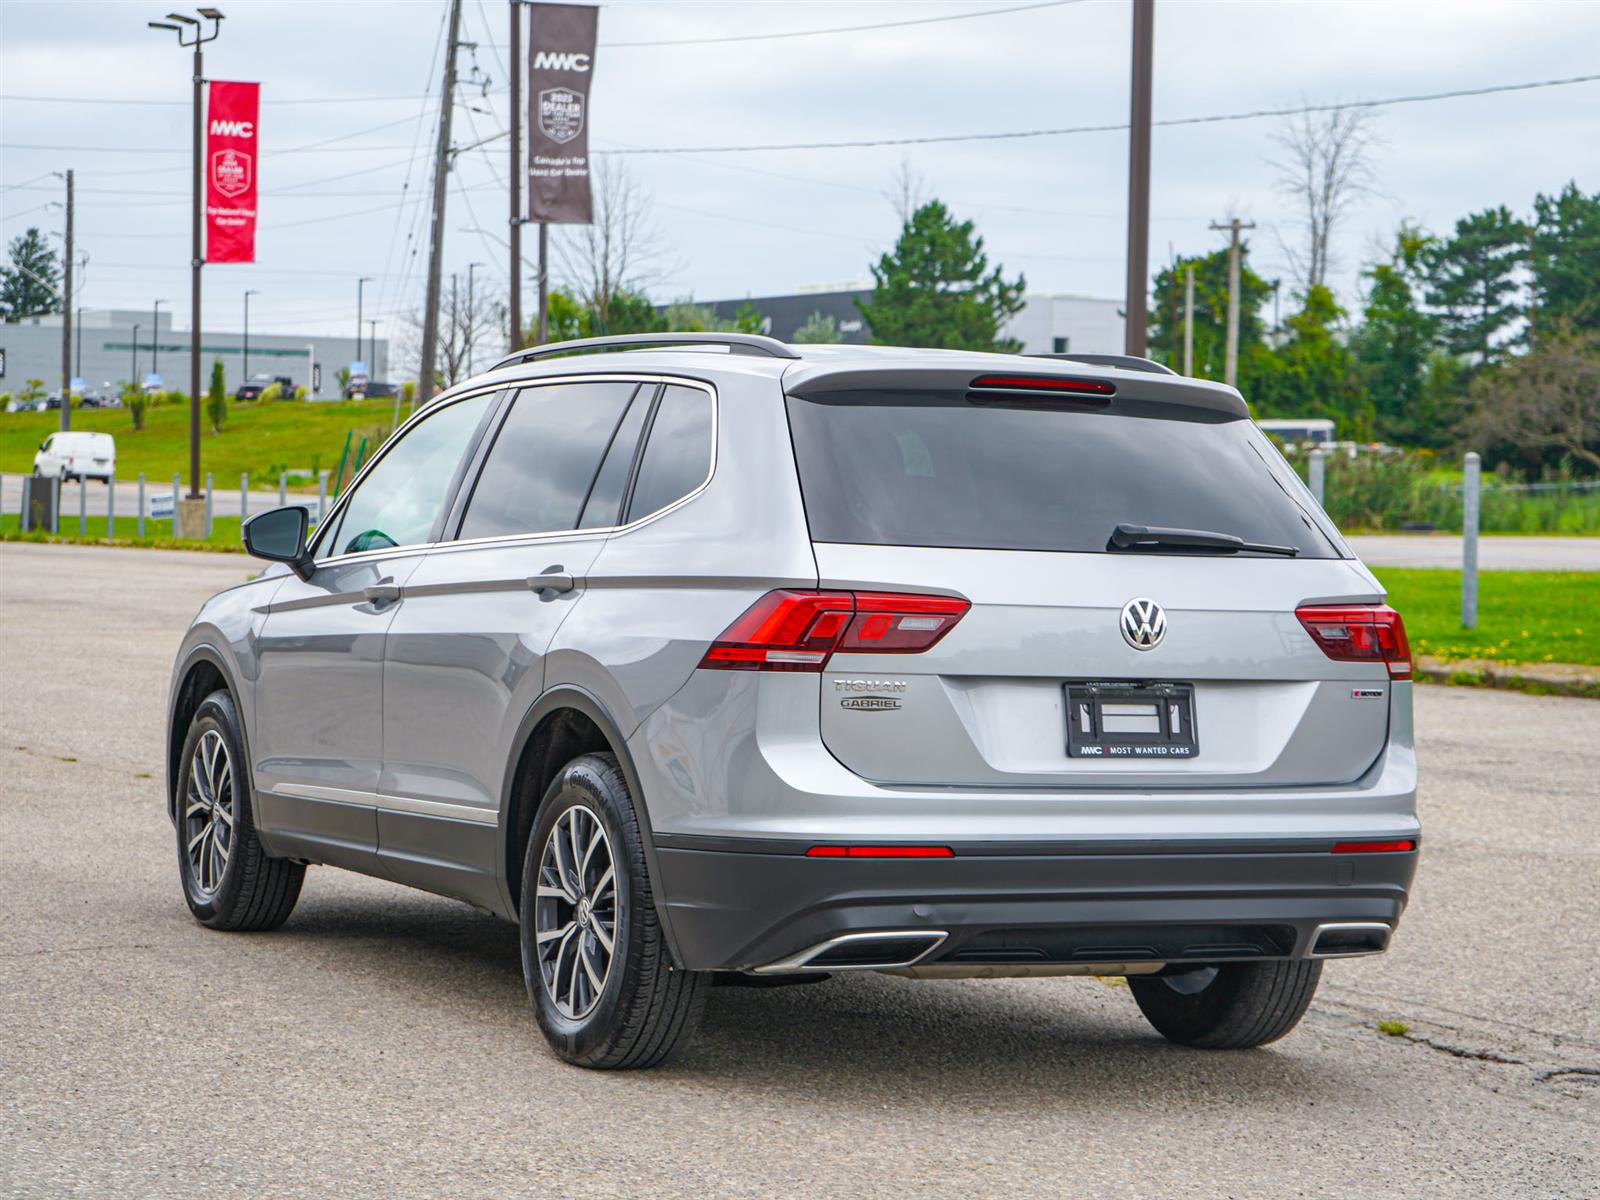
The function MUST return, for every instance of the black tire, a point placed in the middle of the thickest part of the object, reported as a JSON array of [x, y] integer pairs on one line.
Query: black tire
[[645, 1008], [1242, 1005], [253, 891]]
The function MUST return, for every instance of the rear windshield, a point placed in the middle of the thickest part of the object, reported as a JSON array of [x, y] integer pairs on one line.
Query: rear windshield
[[899, 469]]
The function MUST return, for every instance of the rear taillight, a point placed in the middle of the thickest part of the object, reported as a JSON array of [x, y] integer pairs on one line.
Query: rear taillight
[[1403, 846], [1360, 633], [799, 631]]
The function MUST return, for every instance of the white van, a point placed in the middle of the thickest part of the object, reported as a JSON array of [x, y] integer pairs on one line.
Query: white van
[[74, 455]]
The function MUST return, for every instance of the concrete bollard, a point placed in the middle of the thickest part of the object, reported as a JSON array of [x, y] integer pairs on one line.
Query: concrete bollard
[[177, 491], [210, 489], [141, 506], [244, 496], [111, 508], [1469, 540], [1316, 470], [83, 506], [283, 488]]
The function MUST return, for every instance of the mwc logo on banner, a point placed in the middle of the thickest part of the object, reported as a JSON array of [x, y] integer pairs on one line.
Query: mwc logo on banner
[[231, 114]]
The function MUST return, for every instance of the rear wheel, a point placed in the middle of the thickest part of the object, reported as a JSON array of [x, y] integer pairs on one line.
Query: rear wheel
[[593, 954], [1231, 1006], [228, 879]]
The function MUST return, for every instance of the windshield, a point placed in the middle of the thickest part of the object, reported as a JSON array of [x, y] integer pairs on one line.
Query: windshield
[[904, 469]]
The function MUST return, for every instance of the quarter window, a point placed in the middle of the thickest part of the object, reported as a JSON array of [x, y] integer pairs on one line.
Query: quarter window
[[399, 501], [677, 456], [545, 458], [604, 506]]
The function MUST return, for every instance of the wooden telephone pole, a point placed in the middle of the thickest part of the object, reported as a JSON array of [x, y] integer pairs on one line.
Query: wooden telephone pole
[[1230, 369], [1135, 339], [441, 172]]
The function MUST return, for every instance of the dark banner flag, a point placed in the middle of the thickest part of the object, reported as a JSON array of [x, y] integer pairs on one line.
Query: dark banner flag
[[231, 172], [561, 63]]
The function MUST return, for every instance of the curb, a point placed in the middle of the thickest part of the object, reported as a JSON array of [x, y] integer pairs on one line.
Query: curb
[[1544, 679]]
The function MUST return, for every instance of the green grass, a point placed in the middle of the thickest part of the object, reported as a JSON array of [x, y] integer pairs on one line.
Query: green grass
[[157, 533], [1523, 616], [1394, 1028], [261, 439]]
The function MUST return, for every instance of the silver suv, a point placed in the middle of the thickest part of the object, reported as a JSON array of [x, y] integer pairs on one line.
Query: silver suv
[[708, 658]]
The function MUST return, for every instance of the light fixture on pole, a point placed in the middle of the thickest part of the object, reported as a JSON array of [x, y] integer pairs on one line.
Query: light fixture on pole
[[191, 35], [248, 293]]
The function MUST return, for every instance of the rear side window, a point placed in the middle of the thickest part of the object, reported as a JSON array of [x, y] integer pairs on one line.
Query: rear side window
[[604, 506], [544, 459], [902, 469], [677, 456]]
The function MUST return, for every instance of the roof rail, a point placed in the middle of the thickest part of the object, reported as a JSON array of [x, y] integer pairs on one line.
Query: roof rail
[[737, 343], [1128, 362]]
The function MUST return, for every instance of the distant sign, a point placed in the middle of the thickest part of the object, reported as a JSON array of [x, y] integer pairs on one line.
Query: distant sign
[[2, 362], [161, 504], [152, 380], [358, 367], [316, 378], [76, 384]]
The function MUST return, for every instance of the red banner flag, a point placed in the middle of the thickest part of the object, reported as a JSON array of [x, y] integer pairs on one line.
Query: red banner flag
[[231, 172]]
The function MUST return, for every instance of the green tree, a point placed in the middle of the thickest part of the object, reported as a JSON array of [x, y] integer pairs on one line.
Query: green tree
[[1395, 347], [1472, 280], [1210, 314], [30, 286], [565, 316], [217, 398], [936, 288], [1566, 259], [1314, 374], [1544, 405], [626, 312], [748, 319], [818, 329]]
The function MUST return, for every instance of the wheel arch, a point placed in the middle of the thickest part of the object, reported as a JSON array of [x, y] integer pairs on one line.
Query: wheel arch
[[563, 723], [202, 670]]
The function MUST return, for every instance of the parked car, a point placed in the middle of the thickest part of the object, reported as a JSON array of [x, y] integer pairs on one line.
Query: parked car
[[77, 454], [252, 388], [784, 661], [362, 390]]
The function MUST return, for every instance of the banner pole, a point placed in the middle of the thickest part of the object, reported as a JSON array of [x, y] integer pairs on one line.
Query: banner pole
[[194, 288], [514, 237], [544, 282]]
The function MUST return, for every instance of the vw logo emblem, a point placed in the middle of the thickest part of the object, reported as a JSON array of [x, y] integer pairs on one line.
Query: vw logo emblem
[[1143, 624]]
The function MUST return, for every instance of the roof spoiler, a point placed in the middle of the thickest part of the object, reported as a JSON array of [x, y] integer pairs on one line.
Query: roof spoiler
[[1128, 362]]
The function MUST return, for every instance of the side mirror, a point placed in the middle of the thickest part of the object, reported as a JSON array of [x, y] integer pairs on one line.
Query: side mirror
[[279, 535]]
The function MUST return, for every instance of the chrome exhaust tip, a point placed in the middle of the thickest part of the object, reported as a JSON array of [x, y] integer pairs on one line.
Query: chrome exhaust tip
[[1350, 940], [878, 951]]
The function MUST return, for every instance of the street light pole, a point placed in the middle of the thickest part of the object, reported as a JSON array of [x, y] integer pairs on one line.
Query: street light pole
[[360, 298], [372, 342], [471, 323], [133, 367], [1135, 339], [248, 293], [196, 39], [155, 337]]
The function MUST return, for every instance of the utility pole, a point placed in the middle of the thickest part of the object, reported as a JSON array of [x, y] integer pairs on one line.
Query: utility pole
[[470, 325], [66, 319], [1230, 369], [515, 232], [1188, 321], [372, 357], [155, 336], [360, 298], [544, 282], [1135, 340], [441, 168]]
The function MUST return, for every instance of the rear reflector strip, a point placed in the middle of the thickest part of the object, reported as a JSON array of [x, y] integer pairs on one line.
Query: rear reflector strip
[[1400, 847], [880, 852]]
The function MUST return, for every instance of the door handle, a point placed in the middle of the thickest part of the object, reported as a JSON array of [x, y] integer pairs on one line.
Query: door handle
[[554, 578], [382, 593]]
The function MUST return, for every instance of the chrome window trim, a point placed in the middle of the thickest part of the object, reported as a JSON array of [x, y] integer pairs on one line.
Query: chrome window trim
[[511, 539]]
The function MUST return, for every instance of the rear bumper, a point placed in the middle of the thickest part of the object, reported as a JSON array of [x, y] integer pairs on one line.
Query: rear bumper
[[1027, 905]]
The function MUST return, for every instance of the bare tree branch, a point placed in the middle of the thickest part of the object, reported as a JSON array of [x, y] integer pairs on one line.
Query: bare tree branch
[[1326, 166], [908, 190], [468, 334], [622, 250]]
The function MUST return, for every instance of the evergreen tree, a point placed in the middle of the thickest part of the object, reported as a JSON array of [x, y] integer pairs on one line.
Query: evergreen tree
[[1314, 374], [217, 398], [1566, 260], [30, 286], [1472, 280], [818, 328], [1395, 347], [936, 288]]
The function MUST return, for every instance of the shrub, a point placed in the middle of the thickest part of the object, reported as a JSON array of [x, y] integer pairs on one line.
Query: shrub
[[273, 391], [408, 392], [32, 391], [133, 399], [300, 392], [217, 398]]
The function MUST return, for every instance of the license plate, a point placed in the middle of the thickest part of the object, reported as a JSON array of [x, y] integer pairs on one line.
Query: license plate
[[1131, 720]]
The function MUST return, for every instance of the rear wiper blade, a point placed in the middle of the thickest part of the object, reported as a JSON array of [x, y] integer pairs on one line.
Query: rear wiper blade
[[1140, 537]]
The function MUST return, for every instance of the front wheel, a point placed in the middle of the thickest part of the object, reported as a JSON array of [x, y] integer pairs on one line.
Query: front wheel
[[1232, 1006], [594, 957], [228, 879]]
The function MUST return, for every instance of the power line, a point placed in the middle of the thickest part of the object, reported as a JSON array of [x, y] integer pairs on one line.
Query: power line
[[121, 100], [1111, 128], [314, 148], [800, 33]]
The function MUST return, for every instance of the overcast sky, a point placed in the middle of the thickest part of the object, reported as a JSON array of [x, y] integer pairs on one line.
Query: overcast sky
[[775, 221]]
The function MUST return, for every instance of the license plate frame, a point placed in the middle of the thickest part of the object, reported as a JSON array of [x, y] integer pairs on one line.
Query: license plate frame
[[1171, 704]]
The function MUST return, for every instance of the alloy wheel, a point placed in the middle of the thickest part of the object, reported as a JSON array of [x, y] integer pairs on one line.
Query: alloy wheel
[[208, 812], [575, 912]]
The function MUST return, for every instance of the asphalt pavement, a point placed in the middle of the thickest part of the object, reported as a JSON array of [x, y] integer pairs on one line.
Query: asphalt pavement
[[380, 1044], [1496, 552]]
